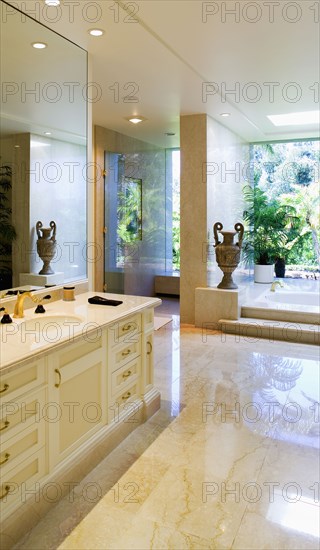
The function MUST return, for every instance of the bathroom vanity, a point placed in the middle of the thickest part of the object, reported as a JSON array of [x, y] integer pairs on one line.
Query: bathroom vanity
[[74, 382]]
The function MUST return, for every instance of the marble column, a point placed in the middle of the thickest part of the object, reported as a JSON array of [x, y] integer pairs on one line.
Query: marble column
[[193, 211]]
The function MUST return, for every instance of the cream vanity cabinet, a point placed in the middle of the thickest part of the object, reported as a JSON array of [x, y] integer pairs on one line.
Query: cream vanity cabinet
[[58, 409]]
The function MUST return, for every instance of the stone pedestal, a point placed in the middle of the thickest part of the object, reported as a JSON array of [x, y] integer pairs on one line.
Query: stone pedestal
[[213, 304], [41, 280]]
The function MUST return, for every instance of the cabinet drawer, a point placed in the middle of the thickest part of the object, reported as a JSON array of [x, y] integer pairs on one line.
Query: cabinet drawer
[[125, 375], [131, 393], [17, 449], [22, 380], [17, 485], [123, 353], [127, 331], [18, 415]]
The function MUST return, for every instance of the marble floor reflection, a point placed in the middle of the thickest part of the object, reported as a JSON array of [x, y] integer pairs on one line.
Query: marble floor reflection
[[231, 460]]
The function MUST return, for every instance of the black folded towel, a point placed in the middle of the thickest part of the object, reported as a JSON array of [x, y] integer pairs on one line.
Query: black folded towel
[[98, 300]]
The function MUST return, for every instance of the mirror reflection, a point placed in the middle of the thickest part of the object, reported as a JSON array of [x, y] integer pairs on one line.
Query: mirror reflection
[[42, 152]]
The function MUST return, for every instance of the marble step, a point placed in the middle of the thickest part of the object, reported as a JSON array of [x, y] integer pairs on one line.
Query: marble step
[[253, 329], [304, 317]]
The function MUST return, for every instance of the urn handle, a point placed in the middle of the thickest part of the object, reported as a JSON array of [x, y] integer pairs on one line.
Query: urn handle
[[217, 227], [54, 228], [240, 229], [38, 227]]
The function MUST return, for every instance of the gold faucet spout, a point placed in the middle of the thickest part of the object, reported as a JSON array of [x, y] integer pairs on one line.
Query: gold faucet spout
[[18, 312], [274, 284]]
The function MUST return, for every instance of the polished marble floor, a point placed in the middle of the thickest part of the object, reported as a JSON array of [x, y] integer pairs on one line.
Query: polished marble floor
[[231, 460]]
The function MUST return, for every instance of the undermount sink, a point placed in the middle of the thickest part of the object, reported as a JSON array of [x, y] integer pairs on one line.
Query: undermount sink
[[51, 325]]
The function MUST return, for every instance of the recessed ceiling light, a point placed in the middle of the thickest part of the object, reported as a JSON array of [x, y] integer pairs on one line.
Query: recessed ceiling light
[[52, 2], [290, 119], [225, 114], [47, 133], [39, 45], [136, 119], [96, 32]]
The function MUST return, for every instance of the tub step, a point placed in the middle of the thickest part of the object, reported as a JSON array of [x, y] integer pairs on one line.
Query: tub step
[[272, 329], [253, 312]]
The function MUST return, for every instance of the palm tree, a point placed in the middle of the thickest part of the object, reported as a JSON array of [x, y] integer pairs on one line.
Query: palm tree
[[263, 232], [306, 202]]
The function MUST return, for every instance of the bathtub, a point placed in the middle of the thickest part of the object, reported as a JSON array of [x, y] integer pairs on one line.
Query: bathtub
[[289, 304], [297, 298]]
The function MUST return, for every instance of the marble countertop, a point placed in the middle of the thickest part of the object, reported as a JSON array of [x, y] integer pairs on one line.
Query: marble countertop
[[77, 319]]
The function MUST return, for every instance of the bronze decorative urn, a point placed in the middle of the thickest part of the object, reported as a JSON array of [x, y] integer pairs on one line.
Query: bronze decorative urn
[[227, 253], [46, 246]]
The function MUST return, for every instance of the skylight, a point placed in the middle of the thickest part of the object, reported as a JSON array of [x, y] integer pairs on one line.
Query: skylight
[[291, 119]]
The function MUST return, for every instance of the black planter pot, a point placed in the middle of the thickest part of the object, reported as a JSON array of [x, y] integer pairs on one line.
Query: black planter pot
[[280, 268]]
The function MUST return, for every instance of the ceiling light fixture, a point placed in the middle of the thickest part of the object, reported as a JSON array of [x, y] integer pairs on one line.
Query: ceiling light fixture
[[47, 133], [96, 32], [39, 45], [292, 119], [52, 2], [136, 119], [225, 114]]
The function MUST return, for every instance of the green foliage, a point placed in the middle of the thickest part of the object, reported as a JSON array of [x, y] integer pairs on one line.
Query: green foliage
[[286, 174], [176, 241], [270, 228], [306, 201], [7, 231], [129, 213]]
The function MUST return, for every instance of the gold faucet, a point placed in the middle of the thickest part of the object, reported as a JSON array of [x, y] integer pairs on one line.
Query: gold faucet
[[274, 284], [18, 312]]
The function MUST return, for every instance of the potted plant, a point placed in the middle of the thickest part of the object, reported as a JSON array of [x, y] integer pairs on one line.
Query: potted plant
[[7, 231], [288, 224], [264, 234]]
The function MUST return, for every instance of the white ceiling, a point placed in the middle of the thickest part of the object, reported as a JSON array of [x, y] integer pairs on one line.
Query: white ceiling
[[163, 52]]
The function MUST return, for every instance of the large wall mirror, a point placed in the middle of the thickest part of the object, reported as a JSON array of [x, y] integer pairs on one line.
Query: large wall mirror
[[43, 151]]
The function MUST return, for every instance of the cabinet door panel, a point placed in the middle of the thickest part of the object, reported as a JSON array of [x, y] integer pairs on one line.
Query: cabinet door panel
[[148, 319], [147, 362], [81, 407], [79, 390]]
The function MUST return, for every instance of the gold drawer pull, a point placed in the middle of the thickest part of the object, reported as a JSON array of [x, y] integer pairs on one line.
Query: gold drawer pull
[[150, 350], [125, 328], [125, 397], [6, 424], [126, 374], [5, 388], [6, 458], [59, 380], [126, 352], [6, 492]]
